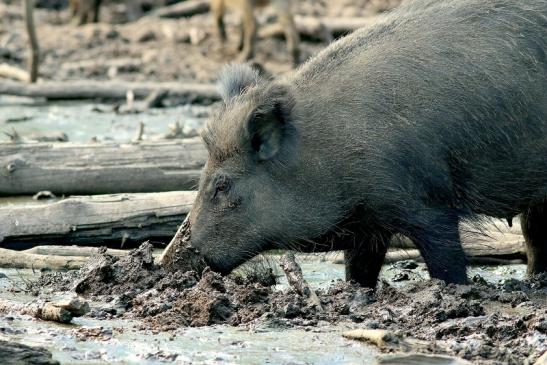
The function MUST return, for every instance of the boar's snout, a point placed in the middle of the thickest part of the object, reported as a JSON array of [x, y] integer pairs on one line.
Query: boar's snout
[[215, 241], [217, 255]]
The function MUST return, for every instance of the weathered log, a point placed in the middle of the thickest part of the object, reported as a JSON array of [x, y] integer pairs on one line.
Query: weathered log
[[378, 337], [324, 29], [112, 220], [67, 251], [409, 348], [181, 10], [13, 353], [23, 260], [67, 168], [57, 258], [117, 90], [12, 72], [477, 258], [103, 64], [62, 311], [491, 242], [494, 243]]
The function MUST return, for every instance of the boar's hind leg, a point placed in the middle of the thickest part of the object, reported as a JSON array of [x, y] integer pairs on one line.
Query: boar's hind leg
[[437, 237], [534, 228], [363, 263]]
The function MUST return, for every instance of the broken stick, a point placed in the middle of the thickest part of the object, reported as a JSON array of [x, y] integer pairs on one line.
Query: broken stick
[[180, 255], [296, 280]]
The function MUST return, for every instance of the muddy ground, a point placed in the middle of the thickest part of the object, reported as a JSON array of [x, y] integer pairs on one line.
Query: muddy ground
[[502, 323], [153, 49], [487, 322]]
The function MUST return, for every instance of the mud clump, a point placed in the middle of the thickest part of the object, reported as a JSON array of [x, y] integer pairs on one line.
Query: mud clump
[[475, 322], [105, 274]]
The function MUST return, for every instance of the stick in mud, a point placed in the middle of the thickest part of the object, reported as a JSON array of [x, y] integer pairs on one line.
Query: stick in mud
[[296, 280], [179, 255]]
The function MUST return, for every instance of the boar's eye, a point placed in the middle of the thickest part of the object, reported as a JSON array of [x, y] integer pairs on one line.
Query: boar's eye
[[222, 185]]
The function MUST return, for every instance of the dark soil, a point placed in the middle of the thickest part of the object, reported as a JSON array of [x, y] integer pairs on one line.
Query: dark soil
[[488, 324]]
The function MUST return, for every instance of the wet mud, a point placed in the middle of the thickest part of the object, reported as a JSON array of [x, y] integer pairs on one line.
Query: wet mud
[[482, 322]]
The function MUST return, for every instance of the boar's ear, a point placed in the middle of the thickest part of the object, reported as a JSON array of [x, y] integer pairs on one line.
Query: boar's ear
[[269, 127], [235, 79]]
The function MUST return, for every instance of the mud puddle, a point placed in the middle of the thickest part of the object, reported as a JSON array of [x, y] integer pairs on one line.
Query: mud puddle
[[498, 318]]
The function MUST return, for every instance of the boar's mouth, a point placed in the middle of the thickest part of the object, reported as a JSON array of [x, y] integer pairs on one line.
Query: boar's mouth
[[225, 264], [185, 253]]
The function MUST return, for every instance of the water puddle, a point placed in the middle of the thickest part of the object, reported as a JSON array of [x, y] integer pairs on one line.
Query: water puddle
[[82, 121]]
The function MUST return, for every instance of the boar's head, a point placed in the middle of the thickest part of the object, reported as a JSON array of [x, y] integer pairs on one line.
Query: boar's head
[[253, 193]]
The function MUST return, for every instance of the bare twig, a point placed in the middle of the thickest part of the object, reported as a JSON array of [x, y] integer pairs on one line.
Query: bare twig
[[28, 6], [140, 132]]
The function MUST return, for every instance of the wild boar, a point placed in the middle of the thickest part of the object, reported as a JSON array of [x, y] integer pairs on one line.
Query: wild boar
[[434, 115]]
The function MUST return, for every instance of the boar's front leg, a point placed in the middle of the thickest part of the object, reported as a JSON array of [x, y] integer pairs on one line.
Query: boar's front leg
[[363, 263], [436, 235]]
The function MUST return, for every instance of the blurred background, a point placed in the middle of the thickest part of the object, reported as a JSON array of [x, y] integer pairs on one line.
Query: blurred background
[[146, 41]]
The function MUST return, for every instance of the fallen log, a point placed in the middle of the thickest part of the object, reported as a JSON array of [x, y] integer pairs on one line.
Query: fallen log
[[60, 311], [68, 168], [495, 243], [476, 258], [12, 72], [113, 220], [492, 242], [56, 258], [23, 260], [116, 90], [181, 10], [102, 64], [324, 29], [408, 349], [64, 250], [68, 251]]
